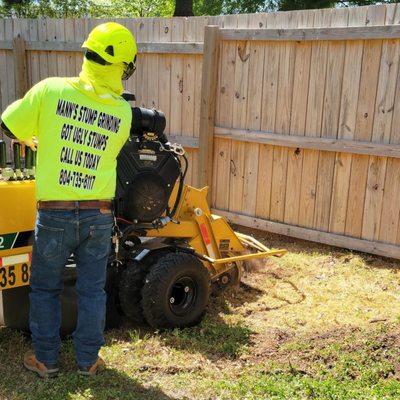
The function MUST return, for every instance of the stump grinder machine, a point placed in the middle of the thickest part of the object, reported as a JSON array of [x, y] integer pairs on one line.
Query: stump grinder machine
[[168, 248]]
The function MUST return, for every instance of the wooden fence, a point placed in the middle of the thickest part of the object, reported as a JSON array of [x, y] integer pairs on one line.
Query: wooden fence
[[292, 118]]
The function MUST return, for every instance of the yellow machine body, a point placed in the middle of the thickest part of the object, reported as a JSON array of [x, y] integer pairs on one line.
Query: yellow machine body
[[210, 236], [17, 219]]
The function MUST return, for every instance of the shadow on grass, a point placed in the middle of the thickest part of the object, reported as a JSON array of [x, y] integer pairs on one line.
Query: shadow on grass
[[220, 335], [17, 383], [214, 338]]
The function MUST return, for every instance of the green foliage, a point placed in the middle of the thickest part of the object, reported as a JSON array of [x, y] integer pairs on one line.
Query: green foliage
[[207, 7], [137, 8], [286, 5], [86, 8], [216, 7], [243, 6], [160, 8]]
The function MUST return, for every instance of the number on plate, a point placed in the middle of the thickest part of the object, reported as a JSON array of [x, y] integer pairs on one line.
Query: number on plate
[[3, 277], [25, 273], [14, 275], [11, 275]]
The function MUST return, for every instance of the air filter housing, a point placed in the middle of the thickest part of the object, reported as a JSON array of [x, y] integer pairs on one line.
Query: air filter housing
[[146, 176]]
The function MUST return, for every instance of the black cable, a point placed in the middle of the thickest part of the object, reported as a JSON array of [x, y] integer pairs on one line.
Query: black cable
[[181, 182], [186, 165]]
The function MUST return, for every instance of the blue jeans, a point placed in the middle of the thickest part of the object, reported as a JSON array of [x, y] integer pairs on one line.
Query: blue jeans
[[58, 234]]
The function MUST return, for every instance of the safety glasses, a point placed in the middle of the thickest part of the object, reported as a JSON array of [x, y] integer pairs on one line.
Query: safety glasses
[[129, 69]]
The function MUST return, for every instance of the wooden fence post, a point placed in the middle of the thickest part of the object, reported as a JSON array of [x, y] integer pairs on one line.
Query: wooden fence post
[[21, 78], [209, 81]]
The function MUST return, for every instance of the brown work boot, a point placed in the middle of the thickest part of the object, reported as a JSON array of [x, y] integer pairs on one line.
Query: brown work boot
[[44, 371], [94, 369]]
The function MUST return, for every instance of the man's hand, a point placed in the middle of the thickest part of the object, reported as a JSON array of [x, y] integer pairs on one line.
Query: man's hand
[[30, 143]]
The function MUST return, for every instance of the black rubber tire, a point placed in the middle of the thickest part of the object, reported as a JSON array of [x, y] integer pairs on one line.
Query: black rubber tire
[[130, 285], [158, 286]]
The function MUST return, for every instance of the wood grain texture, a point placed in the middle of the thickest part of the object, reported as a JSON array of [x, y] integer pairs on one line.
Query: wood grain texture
[[164, 70], [224, 115], [282, 117], [142, 71], [331, 239], [364, 123], [146, 47], [207, 107], [347, 123], [240, 101], [253, 119], [20, 63], [188, 89], [176, 97], [267, 119], [33, 57], [330, 121], [381, 132], [309, 142], [298, 121], [311, 34], [10, 81], [200, 23], [315, 104], [3, 71]]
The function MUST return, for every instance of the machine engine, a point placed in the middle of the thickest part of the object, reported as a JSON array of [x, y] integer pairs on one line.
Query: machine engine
[[148, 168]]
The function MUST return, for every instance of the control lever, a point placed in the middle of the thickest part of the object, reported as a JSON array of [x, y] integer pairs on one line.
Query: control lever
[[6, 173], [17, 161], [29, 171]]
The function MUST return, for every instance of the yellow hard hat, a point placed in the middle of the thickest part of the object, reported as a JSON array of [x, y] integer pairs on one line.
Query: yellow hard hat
[[112, 42]]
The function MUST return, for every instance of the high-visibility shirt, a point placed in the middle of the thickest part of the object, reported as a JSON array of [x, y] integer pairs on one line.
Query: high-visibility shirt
[[79, 139]]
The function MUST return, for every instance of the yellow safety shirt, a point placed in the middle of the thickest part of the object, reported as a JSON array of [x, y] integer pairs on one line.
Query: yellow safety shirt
[[79, 136]]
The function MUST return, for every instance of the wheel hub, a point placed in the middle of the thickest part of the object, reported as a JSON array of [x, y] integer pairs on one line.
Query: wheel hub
[[182, 295]]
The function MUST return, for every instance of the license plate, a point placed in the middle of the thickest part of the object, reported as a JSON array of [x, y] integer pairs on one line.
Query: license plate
[[14, 271]]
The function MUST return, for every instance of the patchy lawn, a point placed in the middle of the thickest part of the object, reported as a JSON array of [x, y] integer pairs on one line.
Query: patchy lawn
[[319, 323]]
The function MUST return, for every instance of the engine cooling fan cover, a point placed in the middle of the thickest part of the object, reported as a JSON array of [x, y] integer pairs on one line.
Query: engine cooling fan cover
[[145, 180], [147, 197]]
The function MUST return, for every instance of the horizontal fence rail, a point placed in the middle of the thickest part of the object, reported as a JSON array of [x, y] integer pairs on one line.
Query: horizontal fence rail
[[156, 48], [312, 143], [314, 34]]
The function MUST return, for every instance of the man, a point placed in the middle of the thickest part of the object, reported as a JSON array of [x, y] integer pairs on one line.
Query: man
[[80, 125]]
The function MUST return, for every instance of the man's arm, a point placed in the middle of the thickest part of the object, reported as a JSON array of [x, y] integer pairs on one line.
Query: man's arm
[[21, 118], [5, 130], [32, 143]]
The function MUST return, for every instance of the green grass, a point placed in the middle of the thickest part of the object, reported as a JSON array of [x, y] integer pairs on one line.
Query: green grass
[[183, 364], [316, 324]]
